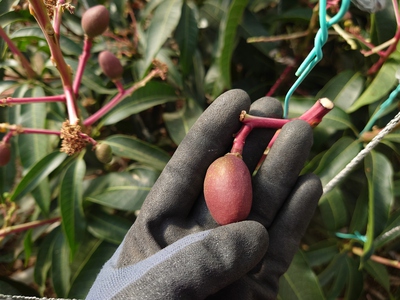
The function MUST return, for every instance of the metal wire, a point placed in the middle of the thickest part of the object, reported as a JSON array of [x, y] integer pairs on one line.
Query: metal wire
[[316, 53], [362, 154]]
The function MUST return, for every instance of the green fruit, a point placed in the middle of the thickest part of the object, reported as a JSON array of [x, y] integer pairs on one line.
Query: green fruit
[[5, 153], [103, 153], [228, 190], [95, 20], [110, 65]]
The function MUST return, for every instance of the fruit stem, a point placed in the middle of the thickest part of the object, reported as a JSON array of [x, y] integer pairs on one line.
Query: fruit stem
[[29, 100], [120, 96], [26, 226], [39, 11], [83, 58], [30, 73], [312, 116], [240, 139], [17, 129]]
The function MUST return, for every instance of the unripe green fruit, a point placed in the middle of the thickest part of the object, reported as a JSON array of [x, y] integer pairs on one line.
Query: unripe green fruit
[[95, 20], [227, 189], [110, 65], [103, 153], [5, 153]]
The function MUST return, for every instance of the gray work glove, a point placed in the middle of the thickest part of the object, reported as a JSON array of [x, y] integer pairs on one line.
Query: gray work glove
[[175, 250]]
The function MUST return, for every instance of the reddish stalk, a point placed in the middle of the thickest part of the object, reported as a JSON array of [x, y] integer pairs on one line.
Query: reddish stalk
[[27, 226], [277, 83], [384, 261], [39, 11], [313, 116], [30, 73], [120, 96], [15, 129], [384, 56], [87, 45], [10, 100]]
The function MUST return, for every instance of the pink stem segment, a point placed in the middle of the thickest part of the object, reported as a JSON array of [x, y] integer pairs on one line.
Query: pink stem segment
[[121, 95], [87, 45], [313, 116], [8, 101], [24, 62]]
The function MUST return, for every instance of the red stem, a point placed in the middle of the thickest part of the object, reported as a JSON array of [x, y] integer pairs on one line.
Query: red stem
[[57, 98], [26, 226], [121, 95], [313, 116], [24, 62], [277, 83], [384, 56], [87, 45]]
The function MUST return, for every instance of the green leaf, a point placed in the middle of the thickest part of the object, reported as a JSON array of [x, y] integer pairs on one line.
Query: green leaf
[[43, 258], [165, 19], [28, 246], [343, 89], [186, 36], [9, 286], [60, 269], [178, 123], [90, 79], [339, 280], [336, 158], [127, 194], [37, 173], [333, 210], [329, 273], [379, 273], [32, 147], [135, 149], [252, 27], [379, 172], [152, 94], [298, 276], [227, 34], [73, 220], [380, 86], [383, 25], [354, 286], [84, 280], [42, 195], [321, 252], [360, 215], [391, 232], [174, 76], [110, 228], [15, 16]]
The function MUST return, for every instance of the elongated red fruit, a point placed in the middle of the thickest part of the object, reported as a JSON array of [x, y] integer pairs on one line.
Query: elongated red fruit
[[227, 189], [5, 153], [95, 20]]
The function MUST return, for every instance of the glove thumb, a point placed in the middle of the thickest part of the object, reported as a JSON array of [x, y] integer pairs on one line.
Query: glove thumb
[[194, 267]]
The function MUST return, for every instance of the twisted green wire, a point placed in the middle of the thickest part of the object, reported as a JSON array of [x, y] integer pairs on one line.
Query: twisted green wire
[[389, 101], [316, 53]]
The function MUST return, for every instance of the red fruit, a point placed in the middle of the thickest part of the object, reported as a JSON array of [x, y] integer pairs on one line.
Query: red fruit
[[110, 65], [5, 153], [95, 20], [227, 189]]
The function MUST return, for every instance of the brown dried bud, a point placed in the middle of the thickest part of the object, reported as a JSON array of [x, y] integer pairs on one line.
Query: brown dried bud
[[5, 153], [95, 20], [110, 65]]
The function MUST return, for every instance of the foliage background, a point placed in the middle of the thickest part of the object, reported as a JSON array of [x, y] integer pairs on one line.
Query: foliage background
[[205, 45]]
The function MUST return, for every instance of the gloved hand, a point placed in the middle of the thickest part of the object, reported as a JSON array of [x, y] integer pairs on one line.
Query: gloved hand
[[175, 250]]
